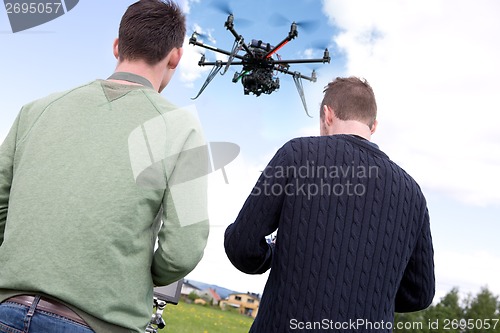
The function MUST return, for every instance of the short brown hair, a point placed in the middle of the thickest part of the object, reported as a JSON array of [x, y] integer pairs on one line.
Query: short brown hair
[[150, 29], [351, 98]]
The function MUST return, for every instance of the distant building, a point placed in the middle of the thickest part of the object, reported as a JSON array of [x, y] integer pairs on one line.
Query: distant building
[[210, 296], [247, 304], [188, 288]]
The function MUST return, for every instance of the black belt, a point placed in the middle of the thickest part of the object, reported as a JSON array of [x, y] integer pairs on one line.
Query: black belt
[[48, 305]]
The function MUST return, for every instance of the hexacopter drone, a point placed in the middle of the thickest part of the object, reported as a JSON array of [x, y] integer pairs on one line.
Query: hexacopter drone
[[260, 63]]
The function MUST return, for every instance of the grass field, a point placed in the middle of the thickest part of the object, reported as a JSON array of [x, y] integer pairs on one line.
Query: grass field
[[192, 318]]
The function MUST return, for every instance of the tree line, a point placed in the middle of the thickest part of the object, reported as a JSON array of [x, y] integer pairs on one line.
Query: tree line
[[472, 314]]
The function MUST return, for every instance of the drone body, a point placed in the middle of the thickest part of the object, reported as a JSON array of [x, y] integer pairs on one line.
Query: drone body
[[260, 63], [257, 74]]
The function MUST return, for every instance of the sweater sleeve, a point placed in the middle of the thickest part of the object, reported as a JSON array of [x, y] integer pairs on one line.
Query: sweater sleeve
[[184, 232], [7, 151], [417, 287], [245, 239]]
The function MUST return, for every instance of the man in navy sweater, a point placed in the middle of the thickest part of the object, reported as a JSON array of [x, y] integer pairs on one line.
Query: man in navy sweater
[[353, 244]]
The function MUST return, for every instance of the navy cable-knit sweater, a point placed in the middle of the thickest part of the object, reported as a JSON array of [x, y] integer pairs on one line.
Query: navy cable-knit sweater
[[353, 243]]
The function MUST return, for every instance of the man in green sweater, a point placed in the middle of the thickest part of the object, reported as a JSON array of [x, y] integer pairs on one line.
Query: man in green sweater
[[103, 191]]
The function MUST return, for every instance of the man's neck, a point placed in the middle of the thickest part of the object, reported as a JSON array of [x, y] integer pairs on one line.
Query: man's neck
[[351, 127], [139, 68]]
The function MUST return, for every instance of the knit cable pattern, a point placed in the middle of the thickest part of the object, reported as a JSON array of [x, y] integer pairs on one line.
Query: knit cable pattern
[[339, 255]]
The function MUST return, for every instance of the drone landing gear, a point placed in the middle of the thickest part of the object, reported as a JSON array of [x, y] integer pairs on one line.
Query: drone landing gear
[[216, 69], [300, 88], [238, 44]]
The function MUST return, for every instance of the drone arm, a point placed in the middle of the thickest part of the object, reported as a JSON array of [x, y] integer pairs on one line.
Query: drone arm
[[193, 41], [291, 35], [223, 63], [238, 38], [299, 61], [326, 59], [276, 49], [285, 70], [279, 46]]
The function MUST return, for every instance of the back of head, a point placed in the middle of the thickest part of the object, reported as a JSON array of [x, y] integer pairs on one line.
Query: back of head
[[150, 29], [351, 99]]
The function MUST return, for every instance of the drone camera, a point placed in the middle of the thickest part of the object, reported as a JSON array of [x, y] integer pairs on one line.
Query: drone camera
[[260, 81]]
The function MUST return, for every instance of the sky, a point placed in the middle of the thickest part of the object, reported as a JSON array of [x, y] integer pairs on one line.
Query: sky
[[433, 65]]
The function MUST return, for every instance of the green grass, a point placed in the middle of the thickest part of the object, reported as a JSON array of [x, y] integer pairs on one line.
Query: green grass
[[192, 318]]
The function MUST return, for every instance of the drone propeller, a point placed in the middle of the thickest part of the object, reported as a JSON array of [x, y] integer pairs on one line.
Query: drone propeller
[[278, 20], [314, 73], [320, 44], [224, 7], [202, 36], [199, 51]]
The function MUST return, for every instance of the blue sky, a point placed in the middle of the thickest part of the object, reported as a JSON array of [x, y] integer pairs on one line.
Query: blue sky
[[433, 65]]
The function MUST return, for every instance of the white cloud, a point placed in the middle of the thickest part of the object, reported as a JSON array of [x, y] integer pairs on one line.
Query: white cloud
[[308, 53], [186, 5], [189, 69], [467, 271], [434, 68], [225, 202], [308, 131]]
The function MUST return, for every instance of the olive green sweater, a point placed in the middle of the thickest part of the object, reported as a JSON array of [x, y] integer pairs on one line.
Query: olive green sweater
[[86, 177]]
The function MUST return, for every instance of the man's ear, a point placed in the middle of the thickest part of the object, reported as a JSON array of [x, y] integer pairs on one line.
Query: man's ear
[[374, 126], [175, 57], [115, 48], [328, 113]]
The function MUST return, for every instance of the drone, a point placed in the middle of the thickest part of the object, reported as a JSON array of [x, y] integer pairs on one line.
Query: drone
[[260, 63]]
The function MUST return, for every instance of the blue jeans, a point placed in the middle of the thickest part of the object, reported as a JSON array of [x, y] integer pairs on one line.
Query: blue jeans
[[17, 318]]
